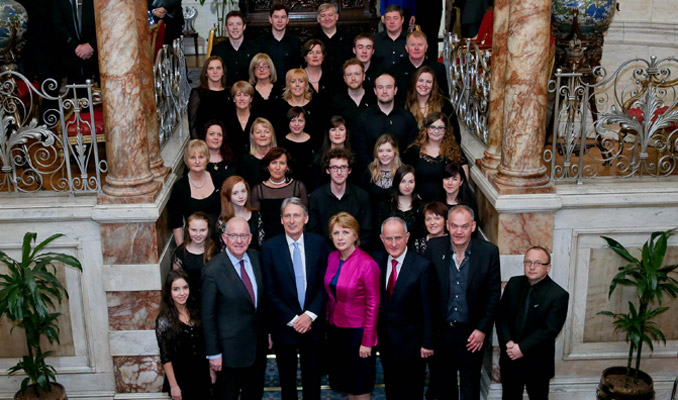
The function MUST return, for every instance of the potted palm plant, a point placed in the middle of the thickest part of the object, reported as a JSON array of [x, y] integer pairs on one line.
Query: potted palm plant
[[28, 292], [653, 281]]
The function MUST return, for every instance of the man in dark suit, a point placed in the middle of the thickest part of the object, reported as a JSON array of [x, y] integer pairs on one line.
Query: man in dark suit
[[233, 316], [405, 315], [294, 268], [171, 13], [531, 314], [76, 32], [469, 285]]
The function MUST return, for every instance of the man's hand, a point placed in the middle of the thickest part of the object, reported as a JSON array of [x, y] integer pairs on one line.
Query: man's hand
[[270, 342], [84, 51], [364, 351], [475, 341], [159, 12], [213, 376], [175, 392], [426, 353], [215, 364], [303, 323], [513, 350]]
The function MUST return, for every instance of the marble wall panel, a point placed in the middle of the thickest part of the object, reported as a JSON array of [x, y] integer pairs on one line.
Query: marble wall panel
[[129, 243], [517, 232], [132, 310], [138, 374], [488, 217], [163, 232]]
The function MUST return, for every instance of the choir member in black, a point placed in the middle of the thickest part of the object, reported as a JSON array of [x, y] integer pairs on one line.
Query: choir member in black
[[267, 88], [196, 251], [209, 100], [268, 195], [298, 144], [355, 98], [378, 178], [389, 44], [404, 202], [363, 48], [170, 12], [193, 192], [323, 84], [424, 97], [178, 330], [240, 117], [435, 217], [434, 148], [336, 136], [262, 139], [337, 41], [235, 202], [456, 188], [283, 47], [236, 51], [220, 164], [298, 93]]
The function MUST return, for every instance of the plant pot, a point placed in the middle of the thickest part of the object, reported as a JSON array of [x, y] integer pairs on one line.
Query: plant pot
[[58, 392], [615, 385]]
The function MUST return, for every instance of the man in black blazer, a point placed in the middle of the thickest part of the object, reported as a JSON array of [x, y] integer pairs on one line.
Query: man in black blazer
[[233, 316], [405, 326], [76, 33], [294, 268], [531, 314], [469, 285]]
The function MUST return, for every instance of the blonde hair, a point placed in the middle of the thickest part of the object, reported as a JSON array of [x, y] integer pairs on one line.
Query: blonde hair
[[267, 124], [196, 146], [345, 220], [296, 73], [258, 59], [374, 166], [242, 86]]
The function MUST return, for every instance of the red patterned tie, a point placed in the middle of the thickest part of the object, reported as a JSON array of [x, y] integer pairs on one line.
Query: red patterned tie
[[246, 281], [392, 280]]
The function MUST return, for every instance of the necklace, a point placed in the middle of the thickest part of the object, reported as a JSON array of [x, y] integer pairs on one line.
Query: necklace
[[204, 181], [284, 181]]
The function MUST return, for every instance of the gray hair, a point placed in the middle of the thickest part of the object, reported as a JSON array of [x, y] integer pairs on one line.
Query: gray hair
[[293, 200], [325, 6], [460, 207], [394, 219], [237, 219]]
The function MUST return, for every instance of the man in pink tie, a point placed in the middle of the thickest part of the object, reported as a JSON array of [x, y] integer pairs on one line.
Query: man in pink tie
[[233, 316], [405, 321]]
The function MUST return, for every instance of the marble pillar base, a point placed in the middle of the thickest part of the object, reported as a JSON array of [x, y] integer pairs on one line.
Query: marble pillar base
[[150, 197], [147, 186], [489, 163], [159, 170], [527, 179]]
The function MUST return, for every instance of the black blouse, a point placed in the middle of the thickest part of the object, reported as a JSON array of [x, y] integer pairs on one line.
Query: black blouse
[[205, 105], [181, 205]]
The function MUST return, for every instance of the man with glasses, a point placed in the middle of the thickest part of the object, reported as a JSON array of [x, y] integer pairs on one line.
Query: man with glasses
[[531, 314], [235, 52], [339, 195], [233, 316], [297, 299], [469, 284], [405, 314]]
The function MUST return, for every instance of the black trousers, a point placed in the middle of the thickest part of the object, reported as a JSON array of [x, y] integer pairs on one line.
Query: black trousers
[[403, 378], [242, 383], [513, 383], [451, 356], [309, 356]]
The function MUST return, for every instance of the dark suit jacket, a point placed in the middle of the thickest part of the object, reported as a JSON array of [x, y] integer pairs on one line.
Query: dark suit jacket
[[233, 327], [406, 320], [484, 281], [545, 318], [281, 288]]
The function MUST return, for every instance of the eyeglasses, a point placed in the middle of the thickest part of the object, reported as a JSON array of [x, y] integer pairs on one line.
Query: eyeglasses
[[436, 128], [262, 67], [535, 263], [336, 168], [235, 236]]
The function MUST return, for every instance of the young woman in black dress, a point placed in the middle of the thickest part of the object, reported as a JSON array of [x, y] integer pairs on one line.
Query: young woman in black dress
[[209, 100], [182, 348], [298, 144], [220, 165], [235, 202], [405, 203], [196, 251]]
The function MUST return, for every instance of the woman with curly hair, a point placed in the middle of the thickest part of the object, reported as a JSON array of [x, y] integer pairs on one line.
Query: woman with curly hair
[[182, 348], [434, 148]]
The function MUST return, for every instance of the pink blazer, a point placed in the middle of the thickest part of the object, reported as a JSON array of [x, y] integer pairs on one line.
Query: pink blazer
[[357, 302]]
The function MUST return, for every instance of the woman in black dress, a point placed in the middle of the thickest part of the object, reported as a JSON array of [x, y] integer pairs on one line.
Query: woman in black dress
[[193, 192], [182, 348], [298, 93], [196, 251], [220, 165], [240, 117], [262, 139], [434, 148], [378, 178], [435, 216], [235, 202], [404, 202], [264, 79], [457, 191], [322, 84], [209, 100], [298, 144], [269, 194]]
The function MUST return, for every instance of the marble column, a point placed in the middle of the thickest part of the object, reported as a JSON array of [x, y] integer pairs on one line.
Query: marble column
[[120, 52], [490, 161], [525, 95], [158, 168]]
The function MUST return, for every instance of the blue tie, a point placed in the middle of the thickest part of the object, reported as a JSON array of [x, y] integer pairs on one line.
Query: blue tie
[[298, 274]]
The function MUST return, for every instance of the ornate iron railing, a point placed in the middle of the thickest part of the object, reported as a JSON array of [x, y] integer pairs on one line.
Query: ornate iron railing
[[468, 71], [172, 89], [622, 125]]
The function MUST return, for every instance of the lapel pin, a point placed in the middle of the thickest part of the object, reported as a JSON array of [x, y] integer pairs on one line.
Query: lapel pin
[[443, 256]]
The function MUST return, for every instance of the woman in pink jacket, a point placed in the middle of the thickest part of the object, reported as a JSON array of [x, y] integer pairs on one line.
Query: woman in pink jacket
[[352, 284]]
